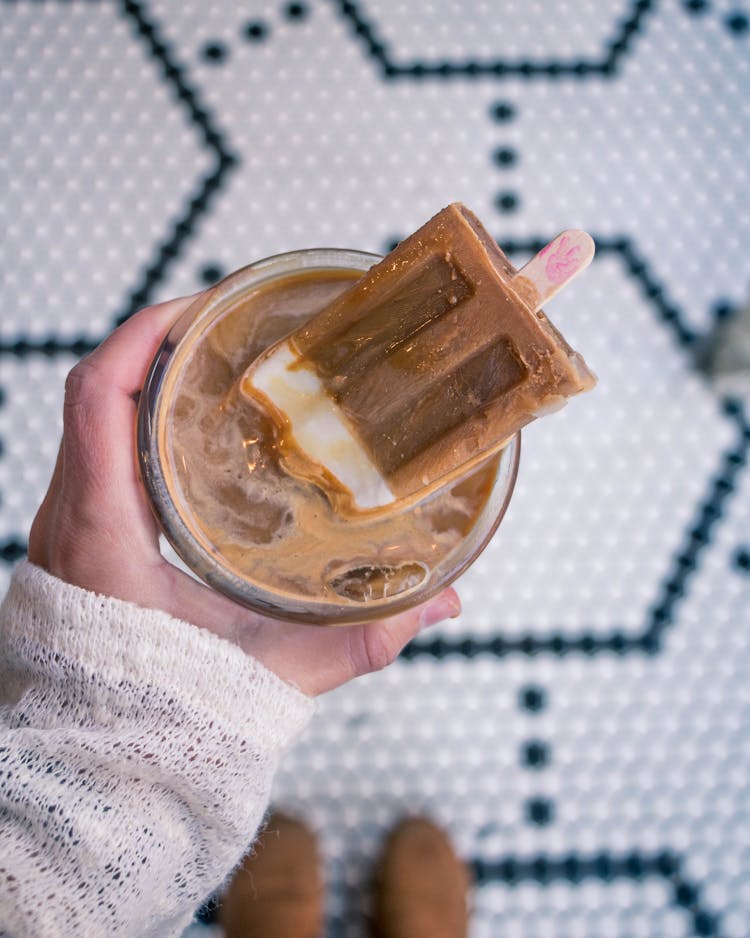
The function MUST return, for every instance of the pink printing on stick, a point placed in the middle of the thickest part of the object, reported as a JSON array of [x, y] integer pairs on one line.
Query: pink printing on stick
[[564, 262]]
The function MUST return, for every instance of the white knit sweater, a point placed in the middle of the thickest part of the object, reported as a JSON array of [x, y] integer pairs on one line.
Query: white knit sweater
[[136, 757]]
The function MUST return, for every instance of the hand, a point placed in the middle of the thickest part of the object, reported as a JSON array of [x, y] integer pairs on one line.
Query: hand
[[95, 528]]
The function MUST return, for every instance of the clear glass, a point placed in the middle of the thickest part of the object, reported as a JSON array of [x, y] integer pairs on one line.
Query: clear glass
[[174, 513]]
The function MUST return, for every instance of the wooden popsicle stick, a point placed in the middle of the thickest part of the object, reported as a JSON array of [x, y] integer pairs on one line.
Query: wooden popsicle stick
[[553, 267]]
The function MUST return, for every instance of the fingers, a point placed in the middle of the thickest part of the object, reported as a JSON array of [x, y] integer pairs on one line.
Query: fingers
[[99, 410], [121, 361], [95, 519]]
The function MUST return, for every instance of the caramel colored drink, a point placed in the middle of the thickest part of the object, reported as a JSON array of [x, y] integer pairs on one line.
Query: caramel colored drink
[[212, 462]]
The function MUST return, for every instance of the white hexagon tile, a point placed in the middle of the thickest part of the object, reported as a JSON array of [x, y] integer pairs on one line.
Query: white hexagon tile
[[583, 730]]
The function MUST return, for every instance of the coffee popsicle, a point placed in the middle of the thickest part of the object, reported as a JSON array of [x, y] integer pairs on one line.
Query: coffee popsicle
[[426, 366]]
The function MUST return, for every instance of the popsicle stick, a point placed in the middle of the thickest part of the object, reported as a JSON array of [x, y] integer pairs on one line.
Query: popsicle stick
[[553, 267]]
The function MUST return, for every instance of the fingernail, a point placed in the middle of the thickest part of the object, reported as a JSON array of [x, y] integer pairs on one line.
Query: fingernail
[[445, 606]]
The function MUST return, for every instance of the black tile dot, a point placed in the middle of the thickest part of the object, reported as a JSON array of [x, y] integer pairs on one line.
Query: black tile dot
[[392, 244], [210, 273], [505, 157], [651, 643], [215, 52], [603, 867], [256, 31], [535, 754], [208, 913], [634, 866], [695, 6], [618, 643], [742, 559], [540, 811], [503, 111], [540, 869], [738, 23], [587, 643], [11, 551], [532, 698], [666, 864], [528, 645], [2, 447], [685, 895], [2, 396], [507, 201], [296, 11], [704, 924], [722, 310]]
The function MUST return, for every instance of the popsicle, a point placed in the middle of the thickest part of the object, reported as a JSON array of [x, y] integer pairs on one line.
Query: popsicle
[[425, 366]]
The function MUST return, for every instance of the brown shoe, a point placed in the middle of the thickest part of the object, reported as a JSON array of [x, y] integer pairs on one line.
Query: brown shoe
[[422, 888], [278, 890]]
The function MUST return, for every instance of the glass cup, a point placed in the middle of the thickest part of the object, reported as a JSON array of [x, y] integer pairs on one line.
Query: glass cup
[[177, 516]]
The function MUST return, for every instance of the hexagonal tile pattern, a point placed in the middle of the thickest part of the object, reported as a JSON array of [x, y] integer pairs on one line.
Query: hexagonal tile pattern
[[581, 731]]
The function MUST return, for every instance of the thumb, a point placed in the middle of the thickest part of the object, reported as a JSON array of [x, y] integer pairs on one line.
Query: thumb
[[326, 658], [375, 645]]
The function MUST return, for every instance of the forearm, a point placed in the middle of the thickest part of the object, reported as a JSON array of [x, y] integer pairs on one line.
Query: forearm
[[136, 760]]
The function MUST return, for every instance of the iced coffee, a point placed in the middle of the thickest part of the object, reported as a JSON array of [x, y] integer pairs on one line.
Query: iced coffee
[[330, 439]]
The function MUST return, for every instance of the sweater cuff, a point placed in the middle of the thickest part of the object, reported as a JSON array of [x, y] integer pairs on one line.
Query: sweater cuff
[[122, 642]]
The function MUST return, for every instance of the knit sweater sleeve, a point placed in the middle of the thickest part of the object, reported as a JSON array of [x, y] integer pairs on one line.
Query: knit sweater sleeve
[[136, 757]]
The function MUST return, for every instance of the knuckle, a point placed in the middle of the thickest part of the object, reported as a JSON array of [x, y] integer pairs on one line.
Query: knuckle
[[84, 419], [80, 385], [377, 649]]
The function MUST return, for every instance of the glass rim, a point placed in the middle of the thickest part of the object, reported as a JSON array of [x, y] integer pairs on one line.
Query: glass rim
[[205, 564]]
